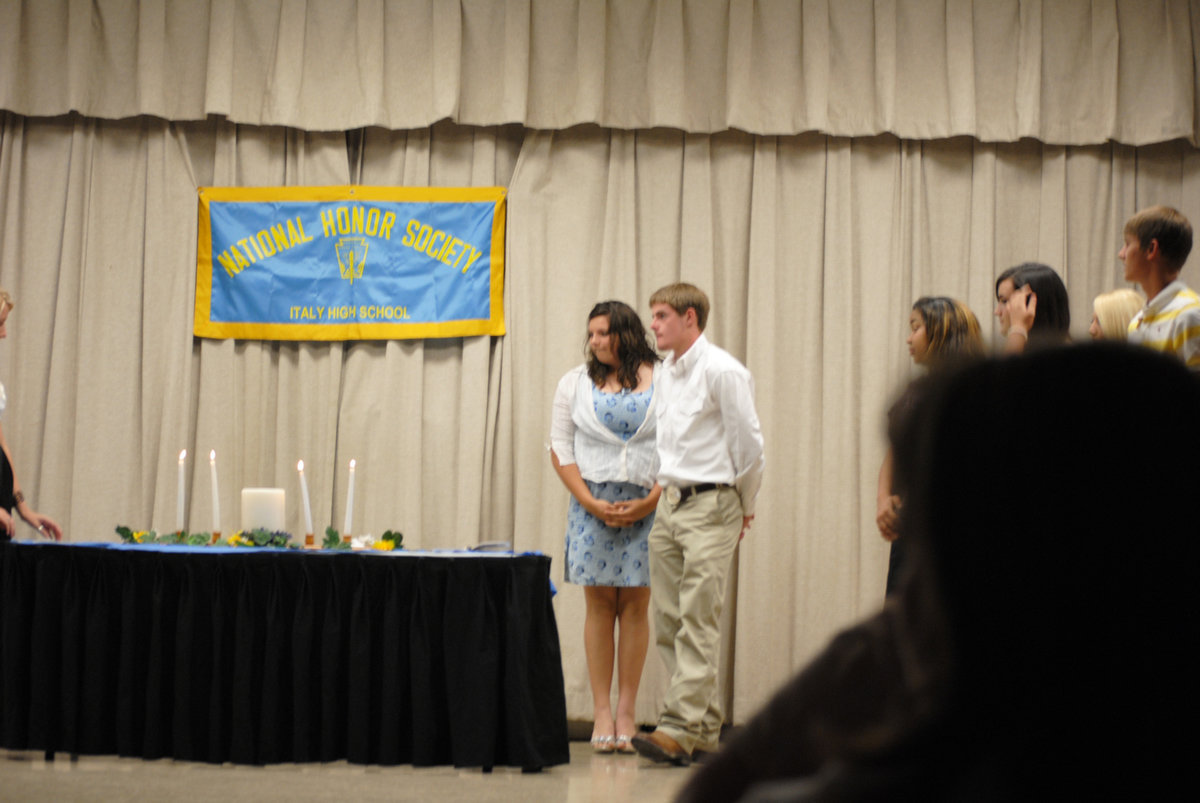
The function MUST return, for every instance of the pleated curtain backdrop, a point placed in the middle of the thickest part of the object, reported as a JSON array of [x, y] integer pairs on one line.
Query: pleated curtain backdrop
[[848, 191], [1078, 72]]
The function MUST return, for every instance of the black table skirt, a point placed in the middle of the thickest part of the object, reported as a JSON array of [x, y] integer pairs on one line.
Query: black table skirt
[[262, 656]]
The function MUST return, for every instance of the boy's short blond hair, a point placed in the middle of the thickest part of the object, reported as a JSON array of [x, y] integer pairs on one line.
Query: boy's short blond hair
[[1169, 227], [680, 296]]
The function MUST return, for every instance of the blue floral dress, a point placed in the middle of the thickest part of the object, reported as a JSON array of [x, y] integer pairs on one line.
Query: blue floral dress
[[599, 555]]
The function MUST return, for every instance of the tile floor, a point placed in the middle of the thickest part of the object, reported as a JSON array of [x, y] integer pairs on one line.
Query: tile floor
[[26, 776]]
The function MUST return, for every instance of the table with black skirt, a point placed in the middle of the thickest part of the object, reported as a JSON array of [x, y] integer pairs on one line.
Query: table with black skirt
[[257, 656]]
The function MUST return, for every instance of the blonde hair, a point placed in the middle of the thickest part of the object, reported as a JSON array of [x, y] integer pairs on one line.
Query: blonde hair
[[1115, 310], [680, 296], [6, 301]]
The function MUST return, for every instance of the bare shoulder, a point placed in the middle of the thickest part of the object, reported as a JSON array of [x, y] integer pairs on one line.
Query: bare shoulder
[[645, 377]]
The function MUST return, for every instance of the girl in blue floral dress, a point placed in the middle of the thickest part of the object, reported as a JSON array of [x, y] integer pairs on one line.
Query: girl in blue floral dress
[[603, 449]]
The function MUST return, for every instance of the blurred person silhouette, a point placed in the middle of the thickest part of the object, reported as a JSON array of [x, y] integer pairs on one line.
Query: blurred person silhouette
[[1042, 645]]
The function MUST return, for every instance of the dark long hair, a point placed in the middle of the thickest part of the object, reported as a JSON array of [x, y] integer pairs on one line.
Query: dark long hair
[[629, 343], [1053, 319]]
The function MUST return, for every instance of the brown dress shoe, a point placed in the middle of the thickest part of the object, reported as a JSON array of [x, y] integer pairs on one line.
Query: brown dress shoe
[[658, 746]]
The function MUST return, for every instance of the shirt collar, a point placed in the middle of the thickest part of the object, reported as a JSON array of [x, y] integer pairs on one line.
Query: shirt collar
[[684, 364], [1164, 297]]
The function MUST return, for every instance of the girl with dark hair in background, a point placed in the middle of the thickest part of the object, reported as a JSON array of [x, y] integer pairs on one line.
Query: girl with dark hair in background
[[1031, 303], [941, 331]]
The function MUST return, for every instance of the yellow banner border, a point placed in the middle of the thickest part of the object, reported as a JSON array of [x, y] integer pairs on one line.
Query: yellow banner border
[[203, 326]]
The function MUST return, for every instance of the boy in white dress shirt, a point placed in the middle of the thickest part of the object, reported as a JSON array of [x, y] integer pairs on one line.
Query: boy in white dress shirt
[[710, 449]]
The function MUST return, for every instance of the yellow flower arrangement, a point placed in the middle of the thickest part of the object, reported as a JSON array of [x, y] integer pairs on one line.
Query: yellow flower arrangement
[[384, 546], [141, 536], [237, 539]]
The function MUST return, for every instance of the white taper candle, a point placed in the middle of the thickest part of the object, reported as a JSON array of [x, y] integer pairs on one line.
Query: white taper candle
[[304, 494], [349, 502], [179, 494], [216, 496]]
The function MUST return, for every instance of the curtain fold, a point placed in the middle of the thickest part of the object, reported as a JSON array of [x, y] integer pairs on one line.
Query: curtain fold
[[109, 360], [812, 249], [1068, 72]]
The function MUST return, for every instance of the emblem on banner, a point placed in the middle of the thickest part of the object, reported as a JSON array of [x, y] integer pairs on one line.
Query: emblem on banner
[[351, 256]]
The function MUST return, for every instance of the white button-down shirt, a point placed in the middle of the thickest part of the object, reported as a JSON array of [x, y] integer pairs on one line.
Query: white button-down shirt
[[708, 428]]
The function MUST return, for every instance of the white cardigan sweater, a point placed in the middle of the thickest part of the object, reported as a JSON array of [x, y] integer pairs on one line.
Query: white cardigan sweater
[[578, 436]]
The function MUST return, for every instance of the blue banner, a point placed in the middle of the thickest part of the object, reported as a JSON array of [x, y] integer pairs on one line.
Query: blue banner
[[350, 263]]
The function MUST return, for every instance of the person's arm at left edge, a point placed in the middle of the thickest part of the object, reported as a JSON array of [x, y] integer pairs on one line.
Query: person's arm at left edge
[[43, 524], [743, 438]]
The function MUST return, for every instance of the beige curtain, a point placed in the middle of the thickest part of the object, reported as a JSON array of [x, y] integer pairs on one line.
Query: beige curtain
[[109, 385], [846, 193], [1061, 71], [813, 249]]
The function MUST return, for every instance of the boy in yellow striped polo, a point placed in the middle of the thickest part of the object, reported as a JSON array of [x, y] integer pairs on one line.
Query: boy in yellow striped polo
[[1157, 243]]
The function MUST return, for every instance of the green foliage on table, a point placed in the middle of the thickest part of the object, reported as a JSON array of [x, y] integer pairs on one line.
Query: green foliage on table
[[131, 536], [397, 538], [260, 538], [333, 540]]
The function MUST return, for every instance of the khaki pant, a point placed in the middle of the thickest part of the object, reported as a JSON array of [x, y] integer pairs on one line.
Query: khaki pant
[[691, 548]]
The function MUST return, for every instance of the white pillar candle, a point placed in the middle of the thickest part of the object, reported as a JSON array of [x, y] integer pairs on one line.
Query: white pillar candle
[[179, 494], [349, 501], [304, 494], [263, 509], [216, 506]]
